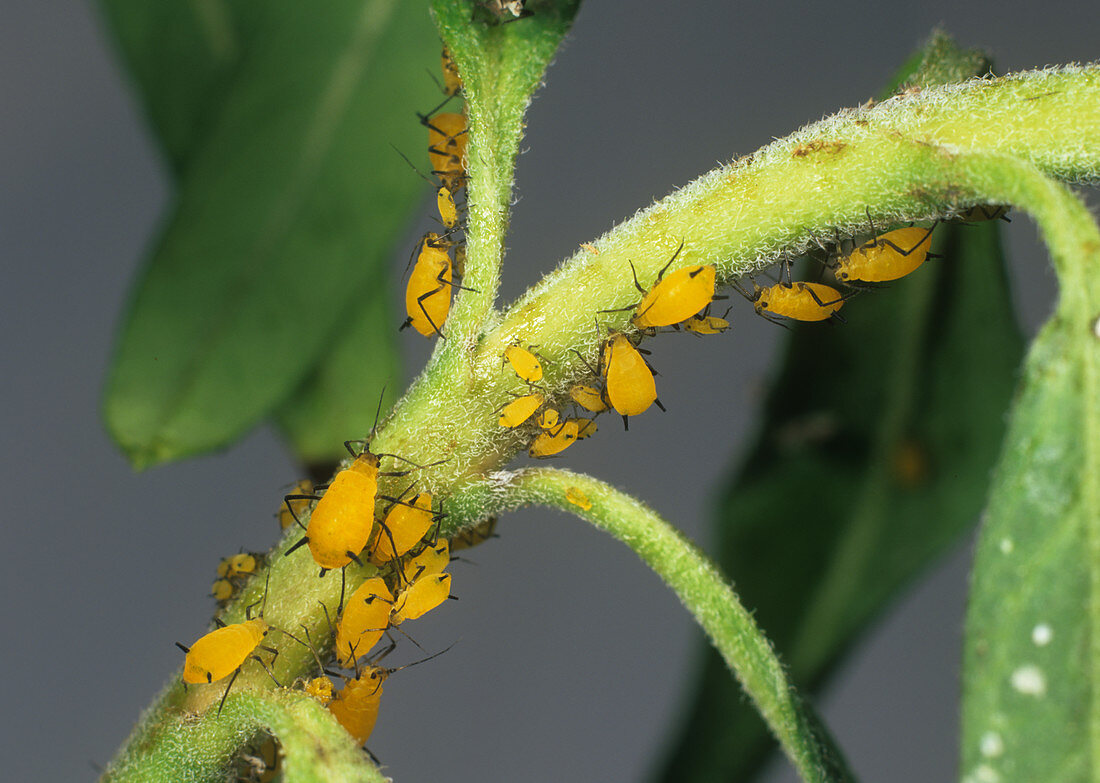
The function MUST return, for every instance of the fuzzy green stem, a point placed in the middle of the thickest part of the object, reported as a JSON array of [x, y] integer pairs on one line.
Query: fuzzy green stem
[[197, 749], [704, 591], [501, 65]]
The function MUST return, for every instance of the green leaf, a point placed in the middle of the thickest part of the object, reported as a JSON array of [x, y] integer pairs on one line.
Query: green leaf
[[181, 57], [1031, 682], [340, 399], [284, 222]]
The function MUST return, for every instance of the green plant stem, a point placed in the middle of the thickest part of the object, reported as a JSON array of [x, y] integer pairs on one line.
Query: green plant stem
[[196, 749], [704, 591]]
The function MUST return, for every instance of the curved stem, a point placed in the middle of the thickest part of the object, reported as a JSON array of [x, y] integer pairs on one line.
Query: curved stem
[[704, 591]]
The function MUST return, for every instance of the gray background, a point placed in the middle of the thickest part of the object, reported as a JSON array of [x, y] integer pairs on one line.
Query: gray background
[[571, 657]]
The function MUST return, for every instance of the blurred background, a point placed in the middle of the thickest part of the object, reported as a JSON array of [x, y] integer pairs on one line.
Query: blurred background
[[571, 659]]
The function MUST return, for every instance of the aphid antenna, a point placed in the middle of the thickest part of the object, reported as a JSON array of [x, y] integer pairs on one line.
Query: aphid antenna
[[413, 166], [667, 265], [402, 631], [298, 496], [422, 660]]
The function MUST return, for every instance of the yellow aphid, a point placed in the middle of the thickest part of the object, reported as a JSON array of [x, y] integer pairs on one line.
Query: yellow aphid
[[452, 82], [243, 564], [320, 688], [475, 535], [286, 515], [341, 522], [419, 598], [890, 256], [586, 428], [445, 202], [365, 618], [447, 147], [520, 410], [431, 561], [589, 398], [676, 298], [403, 528], [798, 301], [577, 498], [222, 651], [222, 590], [356, 705], [549, 419], [629, 381], [551, 442], [428, 293], [525, 363], [706, 324]]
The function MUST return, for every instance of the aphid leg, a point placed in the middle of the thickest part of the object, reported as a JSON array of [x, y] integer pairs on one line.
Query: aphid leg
[[420, 303], [288, 498], [218, 622], [227, 687], [270, 674]]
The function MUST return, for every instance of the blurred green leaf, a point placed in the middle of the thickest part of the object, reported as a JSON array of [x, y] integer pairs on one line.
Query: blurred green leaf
[[340, 400], [181, 57], [287, 211], [1031, 673], [873, 457]]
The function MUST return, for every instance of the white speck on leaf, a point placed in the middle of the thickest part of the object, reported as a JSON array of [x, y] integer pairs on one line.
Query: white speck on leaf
[[1007, 546], [986, 774], [1042, 634], [1029, 680], [991, 744]]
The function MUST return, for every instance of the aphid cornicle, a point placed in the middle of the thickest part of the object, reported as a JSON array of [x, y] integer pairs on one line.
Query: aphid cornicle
[[890, 256], [428, 293], [363, 621], [798, 301], [677, 297], [520, 410], [631, 388], [343, 518], [402, 529], [525, 364]]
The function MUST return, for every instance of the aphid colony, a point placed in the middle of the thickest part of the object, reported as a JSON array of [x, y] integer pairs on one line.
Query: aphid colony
[[349, 522], [428, 292], [623, 380]]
